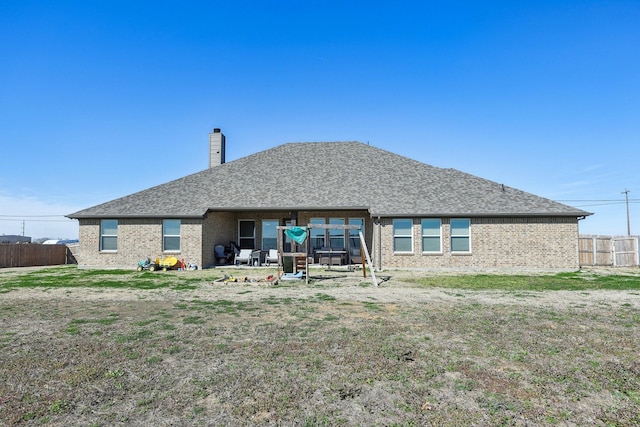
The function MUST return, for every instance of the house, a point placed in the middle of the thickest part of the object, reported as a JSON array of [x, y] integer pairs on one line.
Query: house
[[412, 215], [13, 238]]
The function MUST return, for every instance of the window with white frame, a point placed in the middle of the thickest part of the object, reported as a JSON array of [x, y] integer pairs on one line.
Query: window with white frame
[[402, 235], [431, 235], [460, 235], [171, 235], [109, 235], [336, 235], [317, 235], [247, 234], [269, 234]]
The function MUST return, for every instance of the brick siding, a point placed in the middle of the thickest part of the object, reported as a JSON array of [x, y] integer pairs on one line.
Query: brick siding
[[137, 240], [496, 243]]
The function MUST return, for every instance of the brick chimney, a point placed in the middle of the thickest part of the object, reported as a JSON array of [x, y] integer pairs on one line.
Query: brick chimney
[[216, 148]]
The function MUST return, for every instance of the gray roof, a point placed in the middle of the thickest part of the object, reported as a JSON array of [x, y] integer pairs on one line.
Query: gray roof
[[330, 176]]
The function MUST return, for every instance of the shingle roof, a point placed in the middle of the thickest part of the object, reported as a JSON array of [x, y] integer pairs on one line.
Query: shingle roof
[[330, 176]]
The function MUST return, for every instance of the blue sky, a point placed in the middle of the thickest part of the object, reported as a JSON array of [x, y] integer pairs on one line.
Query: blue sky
[[99, 99]]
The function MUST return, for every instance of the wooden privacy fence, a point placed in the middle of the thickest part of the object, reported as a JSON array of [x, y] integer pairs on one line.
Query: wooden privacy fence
[[28, 255], [612, 251]]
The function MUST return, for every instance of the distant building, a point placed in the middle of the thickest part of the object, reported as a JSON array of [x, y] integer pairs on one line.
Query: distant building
[[11, 238], [61, 242]]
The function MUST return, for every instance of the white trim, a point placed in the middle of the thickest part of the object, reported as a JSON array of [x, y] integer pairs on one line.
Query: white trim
[[179, 236], [394, 236], [102, 235], [451, 236], [247, 237], [422, 236]]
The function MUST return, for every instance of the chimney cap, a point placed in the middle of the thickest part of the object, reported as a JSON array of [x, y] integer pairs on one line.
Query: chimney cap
[[216, 130]]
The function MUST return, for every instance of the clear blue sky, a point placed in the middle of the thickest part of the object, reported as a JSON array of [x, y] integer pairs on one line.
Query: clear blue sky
[[100, 99]]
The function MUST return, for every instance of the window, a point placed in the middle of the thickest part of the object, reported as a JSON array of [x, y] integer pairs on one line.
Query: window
[[460, 235], [247, 234], [354, 237], [171, 235], [269, 234], [109, 235], [402, 235], [287, 240], [317, 235], [336, 235], [431, 235]]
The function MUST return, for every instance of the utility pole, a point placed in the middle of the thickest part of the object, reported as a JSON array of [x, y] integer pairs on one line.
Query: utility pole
[[626, 196]]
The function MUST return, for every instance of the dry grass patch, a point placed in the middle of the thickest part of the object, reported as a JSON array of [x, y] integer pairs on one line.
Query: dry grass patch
[[336, 352]]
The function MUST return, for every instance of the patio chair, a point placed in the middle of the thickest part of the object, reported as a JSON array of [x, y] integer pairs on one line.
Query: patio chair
[[221, 257], [271, 256], [355, 256], [244, 257]]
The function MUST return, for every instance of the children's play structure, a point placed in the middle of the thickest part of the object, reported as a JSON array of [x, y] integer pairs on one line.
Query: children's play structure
[[296, 260]]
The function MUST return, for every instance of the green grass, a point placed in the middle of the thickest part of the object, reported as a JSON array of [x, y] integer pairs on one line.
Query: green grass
[[104, 321], [136, 336], [71, 276], [574, 281], [220, 306]]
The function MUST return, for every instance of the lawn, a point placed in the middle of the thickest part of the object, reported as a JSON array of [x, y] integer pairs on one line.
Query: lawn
[[102, 348]]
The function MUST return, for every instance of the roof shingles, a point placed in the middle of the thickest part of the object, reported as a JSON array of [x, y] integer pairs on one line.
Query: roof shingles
[[328, 176]]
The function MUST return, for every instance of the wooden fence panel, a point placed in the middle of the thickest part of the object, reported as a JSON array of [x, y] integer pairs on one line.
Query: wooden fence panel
[[29, 255], [616, 251], [625, 251], [595, 250], [585, 251]]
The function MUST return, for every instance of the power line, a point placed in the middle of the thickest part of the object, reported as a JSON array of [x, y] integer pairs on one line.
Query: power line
[[35, 220], [598, 204], [33, 216], [596, 200]]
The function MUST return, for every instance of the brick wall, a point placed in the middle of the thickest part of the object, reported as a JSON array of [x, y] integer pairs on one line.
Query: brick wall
[[219, 228], [496, 243], [137, 240]]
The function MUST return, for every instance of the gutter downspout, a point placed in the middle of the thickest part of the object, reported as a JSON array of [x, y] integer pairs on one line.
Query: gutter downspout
[[379, 246], [580, 218]]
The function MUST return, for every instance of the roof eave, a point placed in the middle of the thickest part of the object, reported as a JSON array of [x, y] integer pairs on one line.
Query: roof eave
[[481, 215], [287, 208], [137, 216]]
